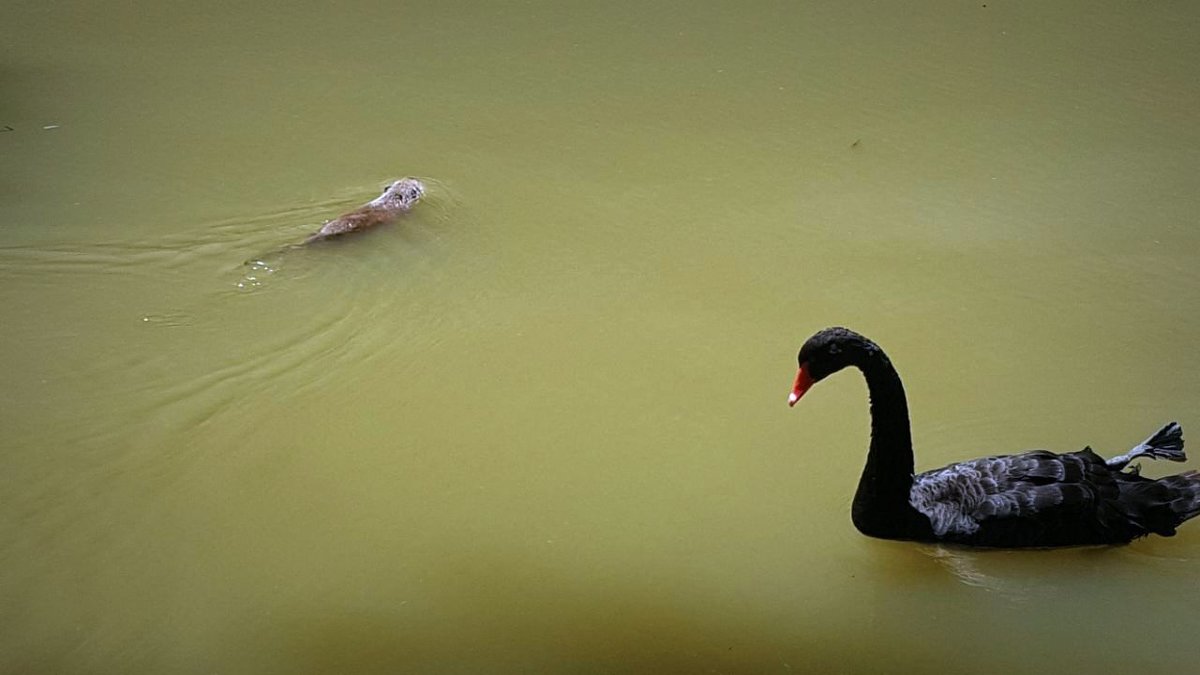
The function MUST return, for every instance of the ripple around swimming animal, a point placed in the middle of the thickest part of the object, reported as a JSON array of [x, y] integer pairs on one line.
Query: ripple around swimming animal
[[185, 348]]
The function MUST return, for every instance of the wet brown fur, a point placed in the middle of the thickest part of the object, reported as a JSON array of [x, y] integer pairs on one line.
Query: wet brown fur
[[397, 199]]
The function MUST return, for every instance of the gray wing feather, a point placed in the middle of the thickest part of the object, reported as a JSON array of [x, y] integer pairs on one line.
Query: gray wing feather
[[959, 497]]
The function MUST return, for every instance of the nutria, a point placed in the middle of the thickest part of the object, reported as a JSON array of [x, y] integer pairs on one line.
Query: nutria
[[398, 198]]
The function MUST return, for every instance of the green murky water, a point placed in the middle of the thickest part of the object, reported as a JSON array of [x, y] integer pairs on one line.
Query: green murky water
[[539, 426]]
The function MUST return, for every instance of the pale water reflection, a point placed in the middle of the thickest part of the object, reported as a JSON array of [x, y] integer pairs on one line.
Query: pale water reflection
[[539, 424]]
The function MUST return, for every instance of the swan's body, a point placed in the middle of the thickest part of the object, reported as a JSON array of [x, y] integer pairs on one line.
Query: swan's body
[[1037, 498]]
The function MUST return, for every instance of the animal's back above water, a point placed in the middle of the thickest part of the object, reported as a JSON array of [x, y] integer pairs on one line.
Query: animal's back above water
[[362, 218], [397, 199]]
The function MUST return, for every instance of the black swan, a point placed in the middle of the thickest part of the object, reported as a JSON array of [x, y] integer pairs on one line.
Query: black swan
[[1037, 499]]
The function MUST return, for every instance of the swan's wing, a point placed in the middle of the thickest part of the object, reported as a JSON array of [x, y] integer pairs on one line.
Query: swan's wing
[[961, 497]]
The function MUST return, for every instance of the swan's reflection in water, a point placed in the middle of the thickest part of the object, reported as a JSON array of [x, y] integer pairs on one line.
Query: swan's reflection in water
[[963, 565]]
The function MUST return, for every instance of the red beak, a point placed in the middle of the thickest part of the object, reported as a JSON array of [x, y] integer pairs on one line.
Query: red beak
[[803, 382]]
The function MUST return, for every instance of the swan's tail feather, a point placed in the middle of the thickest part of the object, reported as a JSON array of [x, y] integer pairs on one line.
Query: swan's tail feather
[[1166, 443], [1185, 488]]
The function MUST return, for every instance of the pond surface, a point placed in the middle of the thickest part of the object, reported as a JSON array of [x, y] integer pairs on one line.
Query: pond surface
[[539, 425]]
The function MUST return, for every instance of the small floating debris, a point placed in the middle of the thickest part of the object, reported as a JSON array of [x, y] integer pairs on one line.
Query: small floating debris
[[6, 128], [51, 126]]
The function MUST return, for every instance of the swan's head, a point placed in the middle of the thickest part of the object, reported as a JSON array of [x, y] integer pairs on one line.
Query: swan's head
[[826, 353]]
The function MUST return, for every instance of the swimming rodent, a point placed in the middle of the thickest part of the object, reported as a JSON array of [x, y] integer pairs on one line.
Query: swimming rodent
[[397, 199]]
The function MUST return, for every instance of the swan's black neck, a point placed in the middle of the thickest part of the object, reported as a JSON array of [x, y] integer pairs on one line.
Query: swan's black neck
[[881, 507]]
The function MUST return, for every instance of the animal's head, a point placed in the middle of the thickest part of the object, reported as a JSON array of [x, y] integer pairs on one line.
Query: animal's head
[[406, 190], [826, 353]]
